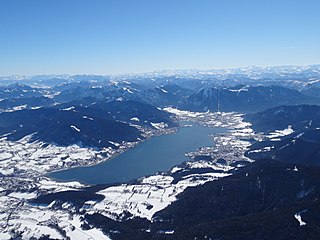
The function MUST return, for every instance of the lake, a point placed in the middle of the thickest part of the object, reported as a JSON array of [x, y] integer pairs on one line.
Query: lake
[[158, 153]]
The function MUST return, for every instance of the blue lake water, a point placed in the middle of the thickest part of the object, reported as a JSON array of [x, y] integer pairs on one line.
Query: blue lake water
[[158, 153]]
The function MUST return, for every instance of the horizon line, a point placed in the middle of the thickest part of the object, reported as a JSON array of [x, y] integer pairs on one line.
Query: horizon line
[[26, 76]]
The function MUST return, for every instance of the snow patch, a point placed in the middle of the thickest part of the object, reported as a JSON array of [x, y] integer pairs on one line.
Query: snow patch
[[160, 125], [68, 109], [299, 219], [86, 117], [127, 90], [114, 143], [281, 133], [244, 89], [164, 91], [181, 112], [75, 128], [135, 119]]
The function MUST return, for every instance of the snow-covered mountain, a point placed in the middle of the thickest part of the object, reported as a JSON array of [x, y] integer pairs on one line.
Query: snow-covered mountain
[[245, 98], [258, 178], [65, 127], [293, 134], [293, 76]]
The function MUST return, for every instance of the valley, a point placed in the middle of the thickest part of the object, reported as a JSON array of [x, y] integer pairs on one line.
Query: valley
[[189, 173], [113, 158]]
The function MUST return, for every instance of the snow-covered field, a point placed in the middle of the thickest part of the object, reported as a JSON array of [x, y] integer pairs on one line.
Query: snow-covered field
[[151, 195], [30, 159], [19, 218], [22, 165]]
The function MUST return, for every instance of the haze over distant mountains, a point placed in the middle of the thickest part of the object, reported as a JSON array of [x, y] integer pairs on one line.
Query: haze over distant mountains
[[271, 73]]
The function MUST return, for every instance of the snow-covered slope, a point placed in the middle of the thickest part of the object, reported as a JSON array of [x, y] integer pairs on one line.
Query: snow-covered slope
[[25, 162]]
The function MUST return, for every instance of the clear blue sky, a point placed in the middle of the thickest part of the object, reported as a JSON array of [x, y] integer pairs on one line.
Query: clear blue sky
[[121, 36]]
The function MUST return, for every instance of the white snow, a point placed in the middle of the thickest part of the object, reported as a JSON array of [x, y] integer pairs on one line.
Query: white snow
[[163, 90], [75, 128], [68, 109], [17, 108], [135, 119], [7, 171], [34, 221], [281, 133], [5, 155], [244, 89], [114, 143], [34, 108], [265, 149], [114, 83], [299, 219], [156, 192], [127, 90], [86, 117], [181, 112], [96, 87], [300, 135], [36, 158], [20, 107], [175, 169], [160, 125], [54, 186], [78, 233], [23, 195], [168, 232]]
